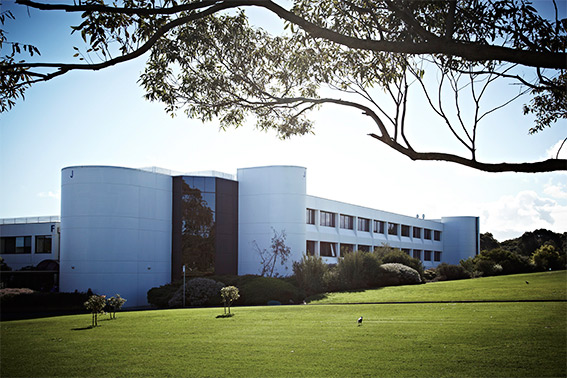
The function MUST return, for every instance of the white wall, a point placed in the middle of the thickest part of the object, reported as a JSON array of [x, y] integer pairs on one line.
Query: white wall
[[356, 237], [462, 238], [270, 198], [115, 231]]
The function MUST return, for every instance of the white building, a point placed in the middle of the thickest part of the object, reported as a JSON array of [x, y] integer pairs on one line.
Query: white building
[[127, 230]]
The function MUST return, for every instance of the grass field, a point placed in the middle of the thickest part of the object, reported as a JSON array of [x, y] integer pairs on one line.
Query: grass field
[[541, 286], [517, 339]]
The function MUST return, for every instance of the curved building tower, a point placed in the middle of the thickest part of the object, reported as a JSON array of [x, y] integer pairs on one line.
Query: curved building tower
[[115, 231]]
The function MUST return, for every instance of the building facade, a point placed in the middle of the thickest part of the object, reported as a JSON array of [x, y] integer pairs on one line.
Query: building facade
[[26, 242], [127, 230]]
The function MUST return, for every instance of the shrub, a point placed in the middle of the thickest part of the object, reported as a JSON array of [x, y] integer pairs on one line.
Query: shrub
[[261, 290], [160, 296], [430, 274], [18, 303], [229, 294], [332, 281], [11, 292], [547, 257], [388, 255], [309, 274], [449, 272], [486, 267], [95, 304], [394, 274], [510, 262], [198, 292], [115, 303], [358, 270]]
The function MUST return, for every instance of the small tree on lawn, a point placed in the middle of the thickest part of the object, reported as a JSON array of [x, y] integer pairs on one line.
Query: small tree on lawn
[[115, 303], [95, 304], [229, 294]]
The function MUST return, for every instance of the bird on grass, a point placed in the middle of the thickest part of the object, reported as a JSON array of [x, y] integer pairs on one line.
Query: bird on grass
[[527, 282], [359, 321]]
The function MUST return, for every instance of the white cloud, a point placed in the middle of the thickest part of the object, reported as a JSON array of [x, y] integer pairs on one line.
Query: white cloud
[[511, 216], [556, 190], [551, 152], [56, 195]]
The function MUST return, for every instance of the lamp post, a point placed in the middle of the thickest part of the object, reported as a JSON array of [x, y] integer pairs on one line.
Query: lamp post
[[183, 285]]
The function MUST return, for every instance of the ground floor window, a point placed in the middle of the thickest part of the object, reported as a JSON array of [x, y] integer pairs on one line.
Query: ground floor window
[[364, 248], [437, 256], [346, 248], [405, 250], [328, 249], [15, 245], [310, 247], [427, 255], [43, 244], [417, 254]]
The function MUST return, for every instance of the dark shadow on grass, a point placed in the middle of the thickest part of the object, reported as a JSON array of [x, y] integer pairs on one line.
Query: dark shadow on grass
[[225, 316], [82, 329]]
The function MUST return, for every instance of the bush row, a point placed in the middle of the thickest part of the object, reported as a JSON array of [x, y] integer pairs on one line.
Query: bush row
[[358, 270], [254, 290], [500, 261], [24, 301]]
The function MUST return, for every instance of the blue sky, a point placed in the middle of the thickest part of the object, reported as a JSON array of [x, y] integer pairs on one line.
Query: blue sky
[[101, 118]]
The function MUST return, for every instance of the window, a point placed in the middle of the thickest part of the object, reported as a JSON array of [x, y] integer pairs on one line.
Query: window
[[392, 229], [417, 254], [15, 245], [405, 230], [437, 256], [363, 224], [328, 249], [310, 247], [378, 227], [437, 235], [364, 248], [43, 244], [346, 248], [406, 251], [327, 219], [347, 222], [426, 255], [427, 234], [417, 232], [310, 216]]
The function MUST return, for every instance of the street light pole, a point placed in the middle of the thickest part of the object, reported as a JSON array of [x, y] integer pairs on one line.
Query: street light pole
[[183, 285]]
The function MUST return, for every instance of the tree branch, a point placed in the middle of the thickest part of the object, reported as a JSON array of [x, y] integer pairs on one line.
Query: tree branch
[[469, 51], [548, 165]]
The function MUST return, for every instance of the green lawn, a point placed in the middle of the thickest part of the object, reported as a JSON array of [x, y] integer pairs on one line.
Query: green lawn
[[541, 286], [395, 340]]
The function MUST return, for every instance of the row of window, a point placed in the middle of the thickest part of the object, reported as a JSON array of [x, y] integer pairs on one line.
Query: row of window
[[23, 244], [347, 222], [329, 249]]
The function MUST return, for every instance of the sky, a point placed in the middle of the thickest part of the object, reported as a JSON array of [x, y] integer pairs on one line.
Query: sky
[[101, 118]]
